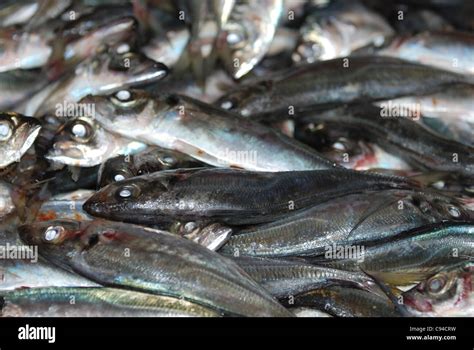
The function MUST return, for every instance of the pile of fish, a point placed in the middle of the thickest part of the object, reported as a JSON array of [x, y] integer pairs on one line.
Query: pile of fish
[[253, 158]]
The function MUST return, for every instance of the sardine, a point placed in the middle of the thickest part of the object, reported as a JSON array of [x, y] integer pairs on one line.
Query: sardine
[[65, 206], [157, 262]]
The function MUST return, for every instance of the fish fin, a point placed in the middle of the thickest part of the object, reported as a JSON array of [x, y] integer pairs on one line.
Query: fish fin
[[393, 294], [398, 278]]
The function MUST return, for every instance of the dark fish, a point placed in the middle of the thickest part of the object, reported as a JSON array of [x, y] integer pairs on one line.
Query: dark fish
[[228, 196], [399, 135], [151, 261], [285, 278], [346, 221], [336, 81]]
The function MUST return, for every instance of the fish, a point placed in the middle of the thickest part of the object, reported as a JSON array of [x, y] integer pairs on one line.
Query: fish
[[17, 85], [81, 142], [168, 48], [449, 112], [17, 135], [413, 256], [285, 278], [349, 152], [102, 74], [7, 205], [247, 34], [336, 81], [232, 197], [338, 31], [204, 132], [46, 10], [341, 301], [17, 13], [399, 135], [95, 302], [34, 272], [158, 263], [148, 161], [451, 51], [212, 236], [346, 221], [25, 50], [65, 206], [308, 312], [448, 293]]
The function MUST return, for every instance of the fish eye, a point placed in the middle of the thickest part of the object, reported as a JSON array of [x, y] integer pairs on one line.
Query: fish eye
[[236, 37], [6, 130], [119, 177], [127, 192], [53, 233], [436, 284], [190, 227], [122, 48], [123, 98], [454, 211], [81, 131], [168, 160], [227, 105]]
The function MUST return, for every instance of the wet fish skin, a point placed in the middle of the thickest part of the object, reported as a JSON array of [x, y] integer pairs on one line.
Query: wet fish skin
[[83, 143], [17, 135], [16, 13], [204, 132], [414, 255], [65, 206], [100, 74], [228, 196], [160, 263], [449, 112], [366, 78], [95, 302], [7, 206], [169, 48], [285, 278], [354, 219], [449, 293], [343, 301], [401, 136], [148, 161], [452, 51], [338, 30], [17, 85], [247, 34]]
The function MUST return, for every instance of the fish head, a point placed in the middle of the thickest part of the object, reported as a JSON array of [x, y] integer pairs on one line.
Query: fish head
[[314, 45], [135, 67], [17, 135], [448, 293], [58, 240], [245, 37], [122, 200], [82, 142], [439, 206], [116, 169]]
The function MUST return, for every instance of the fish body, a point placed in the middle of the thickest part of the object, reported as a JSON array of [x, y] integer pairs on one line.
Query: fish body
[[347, 221], [341, 80], [95, 302], [158, 263], [204, 132], [17, 134], [227, 196]]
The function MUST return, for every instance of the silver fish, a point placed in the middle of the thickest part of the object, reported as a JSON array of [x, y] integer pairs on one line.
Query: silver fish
[[17, 135], [82, 142], [339, 30], [247, 34]]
